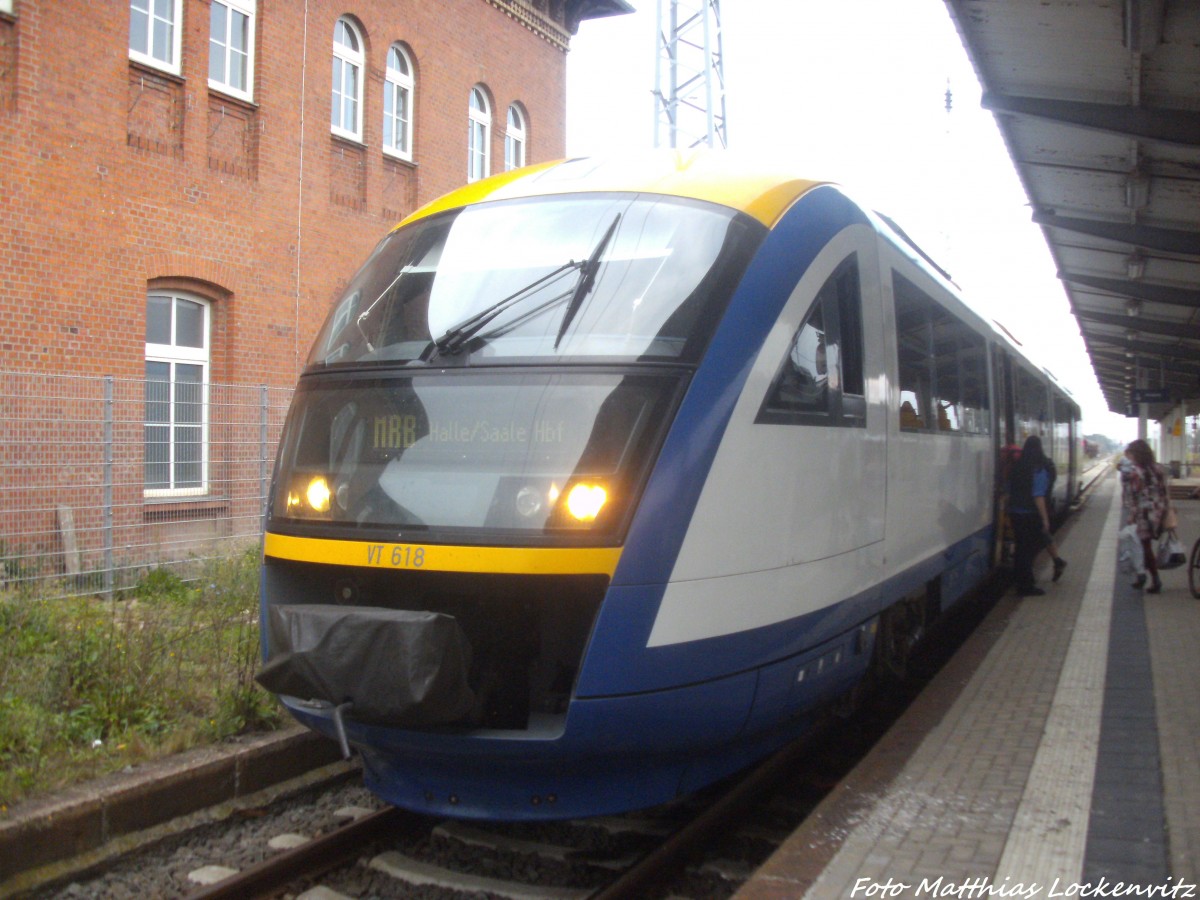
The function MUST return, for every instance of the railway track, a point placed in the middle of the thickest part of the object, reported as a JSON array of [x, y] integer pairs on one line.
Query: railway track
[[705, 846], [390, 853], [340, 842]]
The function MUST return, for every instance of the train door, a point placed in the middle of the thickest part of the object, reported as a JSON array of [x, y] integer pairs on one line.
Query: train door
[[1064, 452], [1081, 459], [840, 506], [816, 424], [1072, 456], [1005, 441], [798, 483]]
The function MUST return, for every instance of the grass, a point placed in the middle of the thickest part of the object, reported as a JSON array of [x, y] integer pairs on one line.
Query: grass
[[89, 686]]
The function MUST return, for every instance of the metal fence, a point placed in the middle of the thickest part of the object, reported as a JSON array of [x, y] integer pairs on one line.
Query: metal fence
[[103, 478]]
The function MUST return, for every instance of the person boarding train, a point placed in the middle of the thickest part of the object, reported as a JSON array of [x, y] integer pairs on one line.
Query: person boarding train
[[1028, 487]]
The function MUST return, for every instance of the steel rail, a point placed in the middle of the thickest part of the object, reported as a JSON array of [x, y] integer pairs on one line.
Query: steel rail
[[318, 855], [669, 857]]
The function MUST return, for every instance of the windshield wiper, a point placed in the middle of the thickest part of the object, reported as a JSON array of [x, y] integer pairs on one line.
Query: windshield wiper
[[587, 278], [365, 314], [454, 339]]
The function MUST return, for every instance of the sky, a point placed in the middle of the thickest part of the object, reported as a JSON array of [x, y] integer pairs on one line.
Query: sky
[[854, 92]]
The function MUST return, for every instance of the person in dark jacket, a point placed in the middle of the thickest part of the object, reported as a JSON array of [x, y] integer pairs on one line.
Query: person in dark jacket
[[1028, 487]]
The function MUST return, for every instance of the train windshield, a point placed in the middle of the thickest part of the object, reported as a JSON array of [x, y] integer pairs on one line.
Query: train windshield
[[584, 276], [549, 454]]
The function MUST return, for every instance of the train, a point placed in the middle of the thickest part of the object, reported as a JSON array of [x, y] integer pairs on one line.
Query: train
[[605, 478]]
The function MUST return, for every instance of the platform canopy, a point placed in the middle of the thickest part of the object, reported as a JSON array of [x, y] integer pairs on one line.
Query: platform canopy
[[1099, 104]]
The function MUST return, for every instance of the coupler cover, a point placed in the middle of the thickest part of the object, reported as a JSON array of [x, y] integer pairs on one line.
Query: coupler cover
[[394, 666]]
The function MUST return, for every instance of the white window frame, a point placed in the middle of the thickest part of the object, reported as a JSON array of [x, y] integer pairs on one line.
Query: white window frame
[[514, 139], [6, 6], [347, 57], [398, 83], [148, 57], [479, 135], [247, 8], [174, 355]]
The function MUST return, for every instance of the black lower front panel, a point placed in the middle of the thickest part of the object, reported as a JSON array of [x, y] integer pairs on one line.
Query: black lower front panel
[[394, 666]]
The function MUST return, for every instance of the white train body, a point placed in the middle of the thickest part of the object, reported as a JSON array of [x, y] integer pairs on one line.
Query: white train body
[[816, 481]]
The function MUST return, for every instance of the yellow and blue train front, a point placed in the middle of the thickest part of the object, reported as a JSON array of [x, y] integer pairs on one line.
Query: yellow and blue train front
[[467, 553]]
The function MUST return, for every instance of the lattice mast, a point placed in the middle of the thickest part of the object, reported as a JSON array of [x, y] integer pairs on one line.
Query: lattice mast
[[689, 94]]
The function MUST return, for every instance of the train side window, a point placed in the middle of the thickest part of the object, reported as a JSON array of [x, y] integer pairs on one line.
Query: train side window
[[802, 384], [850, 341], [1030, 404], [820, 381], [914, 355], [947, 335], [941, 364], [976, 411]]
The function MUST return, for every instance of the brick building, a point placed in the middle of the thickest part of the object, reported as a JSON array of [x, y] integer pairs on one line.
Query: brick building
[[185, 184]]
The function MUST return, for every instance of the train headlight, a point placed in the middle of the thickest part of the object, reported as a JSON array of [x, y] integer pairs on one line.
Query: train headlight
[[311, 497], [585, 500], [529, 501], [318, 495]]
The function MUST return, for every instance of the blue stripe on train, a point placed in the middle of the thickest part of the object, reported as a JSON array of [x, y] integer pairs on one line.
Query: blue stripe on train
[[618, 657], [962, 566]]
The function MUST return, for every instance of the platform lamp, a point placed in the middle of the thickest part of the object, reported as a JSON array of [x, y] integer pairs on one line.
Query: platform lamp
[[1135, 265], [1137, 190]]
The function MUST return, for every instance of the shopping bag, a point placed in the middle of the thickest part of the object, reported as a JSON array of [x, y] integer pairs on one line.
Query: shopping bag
[[1170, 551], [1129, 551], [1170, 518]]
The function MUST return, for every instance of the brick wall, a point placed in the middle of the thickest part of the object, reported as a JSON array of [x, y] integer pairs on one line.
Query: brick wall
[[116, 177]]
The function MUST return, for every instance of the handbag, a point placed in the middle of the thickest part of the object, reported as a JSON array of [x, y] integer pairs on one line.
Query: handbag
[[1170, 551]]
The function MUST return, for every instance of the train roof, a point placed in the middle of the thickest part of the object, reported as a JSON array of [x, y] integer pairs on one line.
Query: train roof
[[761, 190], [716, 177]]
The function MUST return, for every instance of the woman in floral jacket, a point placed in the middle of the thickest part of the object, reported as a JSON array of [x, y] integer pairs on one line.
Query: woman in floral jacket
[[1145, 499]]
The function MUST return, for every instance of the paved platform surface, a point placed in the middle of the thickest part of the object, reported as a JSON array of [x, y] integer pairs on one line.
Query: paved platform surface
[[1056, 755]]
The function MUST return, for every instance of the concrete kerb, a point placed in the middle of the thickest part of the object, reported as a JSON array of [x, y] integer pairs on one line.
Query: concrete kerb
[[82, 827]]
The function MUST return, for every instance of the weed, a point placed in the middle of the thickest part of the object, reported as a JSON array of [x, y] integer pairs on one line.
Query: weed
[[89, 685], [162, 585]]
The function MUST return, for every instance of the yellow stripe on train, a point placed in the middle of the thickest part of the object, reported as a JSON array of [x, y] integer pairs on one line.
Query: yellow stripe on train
[[446, 558], [712, 176]]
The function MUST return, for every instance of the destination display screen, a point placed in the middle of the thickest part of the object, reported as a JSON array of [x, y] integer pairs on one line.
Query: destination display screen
[[487, 453]]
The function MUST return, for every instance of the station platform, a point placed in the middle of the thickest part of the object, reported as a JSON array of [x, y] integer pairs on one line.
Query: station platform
[[1057, 754]]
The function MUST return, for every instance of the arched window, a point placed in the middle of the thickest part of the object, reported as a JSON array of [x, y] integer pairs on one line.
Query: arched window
[[177, 367], [479, 136], [346, 107], [514, 139], [398, 103]]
